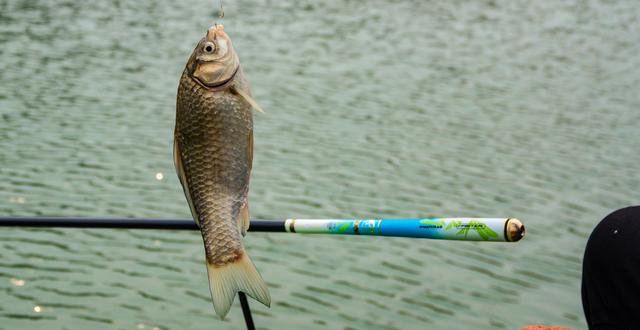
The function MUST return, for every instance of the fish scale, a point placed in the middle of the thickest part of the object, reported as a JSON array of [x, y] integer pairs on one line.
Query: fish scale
[[214, 166]]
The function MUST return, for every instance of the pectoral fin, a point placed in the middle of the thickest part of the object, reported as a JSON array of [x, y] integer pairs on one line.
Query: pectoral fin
[[249, 99], [177, 161]]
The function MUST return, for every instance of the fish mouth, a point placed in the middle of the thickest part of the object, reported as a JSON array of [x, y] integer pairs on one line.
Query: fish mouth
[[217, 84]]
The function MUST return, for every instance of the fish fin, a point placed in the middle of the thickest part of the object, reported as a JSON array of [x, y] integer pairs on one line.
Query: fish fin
[[249, 99], [243, 219], [240, 275], [250, 150], [177, 161]]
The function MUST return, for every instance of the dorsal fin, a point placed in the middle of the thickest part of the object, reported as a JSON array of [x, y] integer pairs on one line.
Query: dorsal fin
[[177, 160]]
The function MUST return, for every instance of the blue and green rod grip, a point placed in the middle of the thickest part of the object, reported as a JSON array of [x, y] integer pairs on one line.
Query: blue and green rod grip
[[463, 229]]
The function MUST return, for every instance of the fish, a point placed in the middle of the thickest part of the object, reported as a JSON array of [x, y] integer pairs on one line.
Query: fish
[[213, 155]]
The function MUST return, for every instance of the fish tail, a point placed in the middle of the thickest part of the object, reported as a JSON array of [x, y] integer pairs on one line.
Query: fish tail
[[240, 275]]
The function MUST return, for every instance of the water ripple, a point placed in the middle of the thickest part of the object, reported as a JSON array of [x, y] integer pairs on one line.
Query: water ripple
[[373, 109]]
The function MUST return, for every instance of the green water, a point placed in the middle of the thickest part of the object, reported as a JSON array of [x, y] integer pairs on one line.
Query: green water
[[373, 109]]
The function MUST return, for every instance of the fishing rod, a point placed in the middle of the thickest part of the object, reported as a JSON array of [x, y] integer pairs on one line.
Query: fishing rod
[[461, 229], [464, 229]]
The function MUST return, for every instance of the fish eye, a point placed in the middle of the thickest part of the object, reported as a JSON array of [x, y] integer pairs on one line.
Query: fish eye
[[209, 47]]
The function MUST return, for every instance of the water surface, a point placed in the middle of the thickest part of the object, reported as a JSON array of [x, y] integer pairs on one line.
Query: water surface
[[373, 109]]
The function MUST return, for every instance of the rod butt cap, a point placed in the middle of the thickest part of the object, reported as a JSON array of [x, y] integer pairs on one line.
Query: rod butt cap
[[514, 230]]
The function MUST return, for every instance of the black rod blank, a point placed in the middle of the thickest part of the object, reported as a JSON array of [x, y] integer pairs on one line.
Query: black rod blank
[[246, 311], [139, 223], [126, 223]]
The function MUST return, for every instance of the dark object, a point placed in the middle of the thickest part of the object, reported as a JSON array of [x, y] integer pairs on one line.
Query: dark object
[[126, 223], [246, 311], [611, 272]]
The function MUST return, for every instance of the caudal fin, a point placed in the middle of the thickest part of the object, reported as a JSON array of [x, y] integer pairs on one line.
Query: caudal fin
[[240, 275]]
